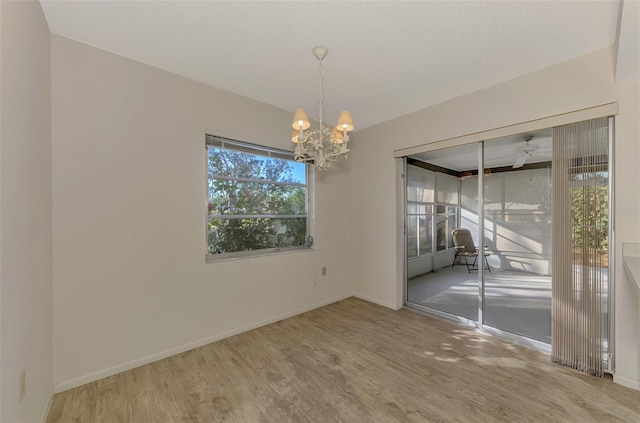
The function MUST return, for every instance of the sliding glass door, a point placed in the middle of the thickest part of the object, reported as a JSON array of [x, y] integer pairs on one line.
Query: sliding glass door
[[479, 232], [517, 232], [437, 280]]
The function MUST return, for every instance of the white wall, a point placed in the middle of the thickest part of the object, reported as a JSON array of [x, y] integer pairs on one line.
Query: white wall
[[580, 83], [627, 225], [130, 280], [627, 197], [25, 212]]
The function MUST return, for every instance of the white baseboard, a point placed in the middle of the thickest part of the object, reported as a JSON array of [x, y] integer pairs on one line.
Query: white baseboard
[[100, 374], [48, 407], [629, 383], [380, 303]]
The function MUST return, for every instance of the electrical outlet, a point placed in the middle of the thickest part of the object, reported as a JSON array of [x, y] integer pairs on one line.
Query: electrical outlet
[[22, 385], [324, 270]]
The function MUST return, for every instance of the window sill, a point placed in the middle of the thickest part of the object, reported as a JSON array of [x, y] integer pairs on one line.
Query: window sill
[[219, 258]]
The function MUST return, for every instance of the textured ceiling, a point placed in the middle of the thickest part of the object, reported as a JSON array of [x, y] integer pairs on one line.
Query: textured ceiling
[[386, 59]]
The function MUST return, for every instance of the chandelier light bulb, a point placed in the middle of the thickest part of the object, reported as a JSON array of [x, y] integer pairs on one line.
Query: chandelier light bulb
[[300, 120], [345, 123]]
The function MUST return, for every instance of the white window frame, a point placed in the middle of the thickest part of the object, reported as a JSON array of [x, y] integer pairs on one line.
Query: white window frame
[[432, 217], [213, 141]]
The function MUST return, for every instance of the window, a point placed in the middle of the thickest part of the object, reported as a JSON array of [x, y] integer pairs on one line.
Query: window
[[420, 197], [432, 211], [419, 224], [257, 200], [446, 222]]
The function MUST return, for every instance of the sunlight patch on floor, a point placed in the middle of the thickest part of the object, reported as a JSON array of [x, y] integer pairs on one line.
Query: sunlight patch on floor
[[510, 362]]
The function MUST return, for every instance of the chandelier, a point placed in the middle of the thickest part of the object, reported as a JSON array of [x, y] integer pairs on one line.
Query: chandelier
[[323, 146]]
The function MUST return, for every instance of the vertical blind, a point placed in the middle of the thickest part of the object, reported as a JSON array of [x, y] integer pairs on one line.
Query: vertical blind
[[580, 244]]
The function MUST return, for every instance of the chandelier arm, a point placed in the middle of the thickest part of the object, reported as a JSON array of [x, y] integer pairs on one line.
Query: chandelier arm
[[337, 153]]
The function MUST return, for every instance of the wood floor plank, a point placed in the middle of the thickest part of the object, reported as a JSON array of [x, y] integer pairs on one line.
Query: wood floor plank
[[225, 391], [352, 361], [111, 405]]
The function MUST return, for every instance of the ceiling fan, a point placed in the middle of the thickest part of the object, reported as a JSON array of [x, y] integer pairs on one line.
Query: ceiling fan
[[525, 152]]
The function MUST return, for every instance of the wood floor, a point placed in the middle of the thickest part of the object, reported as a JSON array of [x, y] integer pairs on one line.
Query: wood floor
[[352, 361]]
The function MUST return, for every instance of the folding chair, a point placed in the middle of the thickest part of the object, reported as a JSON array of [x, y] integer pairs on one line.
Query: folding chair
[[465, 247]]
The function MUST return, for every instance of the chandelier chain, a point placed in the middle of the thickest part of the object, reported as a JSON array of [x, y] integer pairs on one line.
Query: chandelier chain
[[320, 98]]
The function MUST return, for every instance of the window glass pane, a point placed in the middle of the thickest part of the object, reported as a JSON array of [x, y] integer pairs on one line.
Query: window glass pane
[[441, 232], [413, 208], [590, 219], [231, 197], [233, 235], [517, 236], [518, 214], [236, 164], [425, 235], [420, 184], [469, 197], [447, 188], [438, 280], [452, 225], [412, 236]]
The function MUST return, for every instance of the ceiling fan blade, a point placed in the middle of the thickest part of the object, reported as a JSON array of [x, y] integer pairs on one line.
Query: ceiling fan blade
[[520, 161]]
